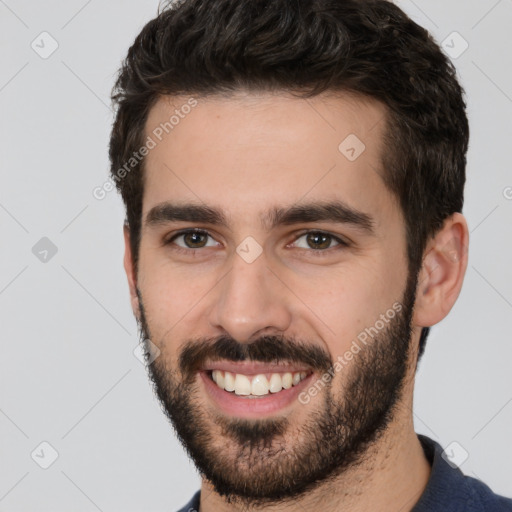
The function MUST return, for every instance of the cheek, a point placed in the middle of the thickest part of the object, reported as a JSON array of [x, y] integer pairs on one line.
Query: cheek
[[346, 302], [172, 298]]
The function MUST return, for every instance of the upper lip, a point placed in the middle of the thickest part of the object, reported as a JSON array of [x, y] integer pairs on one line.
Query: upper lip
[[254, 368]]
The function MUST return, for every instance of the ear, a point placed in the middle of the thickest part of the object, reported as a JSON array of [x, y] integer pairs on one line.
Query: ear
[[130, 271], [442, 273]]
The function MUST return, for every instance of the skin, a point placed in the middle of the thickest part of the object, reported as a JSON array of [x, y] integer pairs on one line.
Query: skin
[[246, 154]]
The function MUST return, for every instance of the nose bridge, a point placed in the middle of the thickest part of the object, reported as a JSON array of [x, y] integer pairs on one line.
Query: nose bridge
[[250, 299]]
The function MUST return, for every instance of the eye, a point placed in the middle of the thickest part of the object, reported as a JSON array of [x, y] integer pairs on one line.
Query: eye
[[192, 239], [315, 242], [320, 241]]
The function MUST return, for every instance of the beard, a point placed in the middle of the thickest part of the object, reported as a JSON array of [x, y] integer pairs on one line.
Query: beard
[[257, 462]]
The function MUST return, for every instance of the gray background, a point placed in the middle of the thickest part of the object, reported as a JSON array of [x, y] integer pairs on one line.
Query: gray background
[[69, 376]]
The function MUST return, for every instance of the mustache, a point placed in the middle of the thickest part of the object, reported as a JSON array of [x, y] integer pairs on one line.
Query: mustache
[[267, 349]]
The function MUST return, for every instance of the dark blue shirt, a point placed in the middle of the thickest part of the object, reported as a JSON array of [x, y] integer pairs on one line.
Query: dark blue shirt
[[448, 489]]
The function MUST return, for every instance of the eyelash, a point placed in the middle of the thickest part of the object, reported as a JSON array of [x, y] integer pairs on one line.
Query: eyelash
[[317, 252]]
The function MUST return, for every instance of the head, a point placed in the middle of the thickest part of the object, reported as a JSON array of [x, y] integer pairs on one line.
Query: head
[[261, 124]]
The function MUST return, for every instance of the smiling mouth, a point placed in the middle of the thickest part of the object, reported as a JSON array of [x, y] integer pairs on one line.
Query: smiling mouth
[[258, 385]]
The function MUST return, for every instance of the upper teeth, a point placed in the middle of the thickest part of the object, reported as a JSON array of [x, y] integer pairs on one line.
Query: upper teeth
[[259, 385]]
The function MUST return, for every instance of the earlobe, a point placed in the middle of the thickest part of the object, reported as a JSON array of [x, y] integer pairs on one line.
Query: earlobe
[[130, 271], [442, 273]]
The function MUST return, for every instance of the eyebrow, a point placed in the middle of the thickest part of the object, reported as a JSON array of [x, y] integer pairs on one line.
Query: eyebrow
[[332, 211]]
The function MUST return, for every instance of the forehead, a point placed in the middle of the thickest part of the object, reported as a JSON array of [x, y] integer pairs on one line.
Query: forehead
[[250, 152]]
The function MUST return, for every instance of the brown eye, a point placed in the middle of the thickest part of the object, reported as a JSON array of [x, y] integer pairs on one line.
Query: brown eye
[[191, 239], [319, 241]]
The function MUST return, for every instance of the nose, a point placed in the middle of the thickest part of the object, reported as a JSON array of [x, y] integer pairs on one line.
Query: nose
[[251, 301]]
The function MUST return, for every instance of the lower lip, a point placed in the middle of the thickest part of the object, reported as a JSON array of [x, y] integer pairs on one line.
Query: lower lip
[[240, 405]]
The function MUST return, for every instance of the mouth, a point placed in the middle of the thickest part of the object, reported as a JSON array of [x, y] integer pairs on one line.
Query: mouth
[[255, 386], [252, 389]]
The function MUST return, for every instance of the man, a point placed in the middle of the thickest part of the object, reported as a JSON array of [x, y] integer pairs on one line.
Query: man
[[293, 177]]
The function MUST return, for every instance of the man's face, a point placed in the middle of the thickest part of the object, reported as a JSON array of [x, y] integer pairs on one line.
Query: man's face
[[267, 287]]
